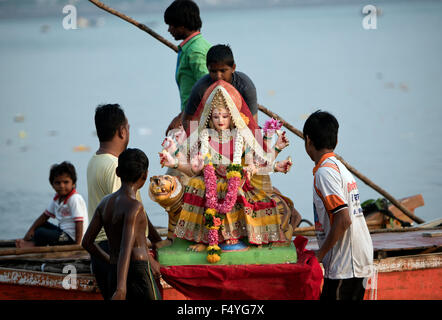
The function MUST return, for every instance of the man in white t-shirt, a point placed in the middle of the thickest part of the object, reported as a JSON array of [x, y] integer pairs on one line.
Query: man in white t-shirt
[[113, 134], [345, 245]]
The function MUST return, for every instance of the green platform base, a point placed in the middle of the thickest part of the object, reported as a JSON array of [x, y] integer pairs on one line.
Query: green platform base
[[177, 255]]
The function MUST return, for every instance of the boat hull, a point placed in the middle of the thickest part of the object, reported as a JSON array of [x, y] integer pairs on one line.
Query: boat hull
[[18, 284], [415, 277]]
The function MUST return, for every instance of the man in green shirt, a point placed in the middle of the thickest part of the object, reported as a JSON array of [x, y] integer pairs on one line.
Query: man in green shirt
[[183, 18]]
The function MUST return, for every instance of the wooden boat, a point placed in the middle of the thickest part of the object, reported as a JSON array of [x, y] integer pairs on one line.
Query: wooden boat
[[408, 261], [408, 265], [46, 273]]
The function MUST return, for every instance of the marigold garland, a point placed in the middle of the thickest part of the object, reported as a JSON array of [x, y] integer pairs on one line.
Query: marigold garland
[[215, 210]]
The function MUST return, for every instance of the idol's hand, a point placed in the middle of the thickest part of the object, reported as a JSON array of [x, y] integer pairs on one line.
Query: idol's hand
[[169, 144], [166, 159], [269, 134], [282, 141], [197, 163], [283, 166], [251, 169], [180, 135]]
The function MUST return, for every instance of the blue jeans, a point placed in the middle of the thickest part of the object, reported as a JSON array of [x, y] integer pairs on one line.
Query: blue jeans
[[49, 234]]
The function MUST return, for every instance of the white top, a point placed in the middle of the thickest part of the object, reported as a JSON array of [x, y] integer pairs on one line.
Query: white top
[[101, 181], [68, 212], [334, 189]]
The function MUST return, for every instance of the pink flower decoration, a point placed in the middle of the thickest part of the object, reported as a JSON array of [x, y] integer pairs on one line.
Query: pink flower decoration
[[212, 201], [211, 195], [272, 125], [213, 237]]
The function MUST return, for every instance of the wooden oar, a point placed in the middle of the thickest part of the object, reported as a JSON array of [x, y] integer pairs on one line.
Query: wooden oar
[[349, 167], [135, 23], [266, 111]]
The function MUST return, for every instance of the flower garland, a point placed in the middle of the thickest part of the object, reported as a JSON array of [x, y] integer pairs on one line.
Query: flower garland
[[215, 209]]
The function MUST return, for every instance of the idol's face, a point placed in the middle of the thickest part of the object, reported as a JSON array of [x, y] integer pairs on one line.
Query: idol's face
[[221, 119]]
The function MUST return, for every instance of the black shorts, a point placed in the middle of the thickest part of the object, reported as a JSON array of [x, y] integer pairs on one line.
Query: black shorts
[[101, 270], [343, 289], [140, 285], [49, 234]]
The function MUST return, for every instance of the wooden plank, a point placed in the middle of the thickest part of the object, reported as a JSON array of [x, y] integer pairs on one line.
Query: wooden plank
[[403, 241], [409, 263], [411, 203], [431, 224], [432, 235], [19, 251], [82, 254], [393, 241]]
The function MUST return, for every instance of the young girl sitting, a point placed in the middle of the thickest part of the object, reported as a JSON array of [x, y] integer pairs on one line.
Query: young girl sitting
[[68, 207]]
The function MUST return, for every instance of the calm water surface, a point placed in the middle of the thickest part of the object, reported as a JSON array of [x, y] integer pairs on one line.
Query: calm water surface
[[383, 85]]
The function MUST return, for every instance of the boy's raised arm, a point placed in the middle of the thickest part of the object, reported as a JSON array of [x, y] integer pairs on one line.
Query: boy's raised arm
[[127, 242], [91, 233]]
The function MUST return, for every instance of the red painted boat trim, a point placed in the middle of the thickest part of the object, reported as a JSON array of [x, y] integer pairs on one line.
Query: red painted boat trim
[[18, 284], [23, 284], [416, 277]]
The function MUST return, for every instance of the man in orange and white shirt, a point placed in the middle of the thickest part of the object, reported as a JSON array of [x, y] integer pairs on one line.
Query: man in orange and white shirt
[[345, 245]]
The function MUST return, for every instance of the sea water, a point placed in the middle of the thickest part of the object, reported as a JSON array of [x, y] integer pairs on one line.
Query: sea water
[[383, 85]]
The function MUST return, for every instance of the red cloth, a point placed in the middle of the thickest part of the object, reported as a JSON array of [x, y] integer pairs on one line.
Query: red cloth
[[298, 281]]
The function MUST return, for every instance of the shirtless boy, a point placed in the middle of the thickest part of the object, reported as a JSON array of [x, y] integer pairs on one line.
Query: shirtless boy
[[124, 221]]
